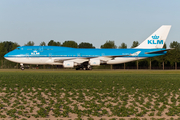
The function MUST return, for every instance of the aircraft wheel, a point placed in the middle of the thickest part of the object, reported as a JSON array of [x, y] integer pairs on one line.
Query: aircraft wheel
[[22, 68]]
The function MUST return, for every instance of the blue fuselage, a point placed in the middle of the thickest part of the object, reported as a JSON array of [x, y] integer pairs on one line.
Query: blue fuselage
[[70, 57], [53, 51]]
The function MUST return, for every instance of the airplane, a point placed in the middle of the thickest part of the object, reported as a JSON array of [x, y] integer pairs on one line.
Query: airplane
[[82, 58]]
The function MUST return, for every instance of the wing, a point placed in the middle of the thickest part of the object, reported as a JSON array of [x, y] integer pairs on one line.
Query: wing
[[102, 58], [77, 60]]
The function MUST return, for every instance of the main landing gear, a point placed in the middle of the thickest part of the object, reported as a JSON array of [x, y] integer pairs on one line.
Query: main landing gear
[[22, 66], [84, 67]]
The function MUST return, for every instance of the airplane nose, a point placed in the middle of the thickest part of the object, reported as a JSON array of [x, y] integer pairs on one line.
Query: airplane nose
[[6, 55]]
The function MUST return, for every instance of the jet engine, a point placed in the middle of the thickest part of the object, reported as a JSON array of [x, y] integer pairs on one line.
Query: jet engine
[[94, 62], [68, 64]]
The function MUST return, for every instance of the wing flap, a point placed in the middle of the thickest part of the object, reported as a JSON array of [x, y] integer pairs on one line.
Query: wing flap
[[77, 60]]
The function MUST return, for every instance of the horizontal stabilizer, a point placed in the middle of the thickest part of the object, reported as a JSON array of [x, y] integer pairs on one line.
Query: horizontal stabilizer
[[155, 52]]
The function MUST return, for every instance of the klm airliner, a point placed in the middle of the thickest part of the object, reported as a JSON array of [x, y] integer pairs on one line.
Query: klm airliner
[[85, 58]]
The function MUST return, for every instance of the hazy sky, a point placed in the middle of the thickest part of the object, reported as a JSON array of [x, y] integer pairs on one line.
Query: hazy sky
[[93, 21]]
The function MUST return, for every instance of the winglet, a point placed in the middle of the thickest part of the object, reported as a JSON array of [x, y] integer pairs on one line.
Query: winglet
[[135, 54]]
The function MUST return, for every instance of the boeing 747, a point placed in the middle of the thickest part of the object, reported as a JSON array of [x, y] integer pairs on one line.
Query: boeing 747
[[85, 58]]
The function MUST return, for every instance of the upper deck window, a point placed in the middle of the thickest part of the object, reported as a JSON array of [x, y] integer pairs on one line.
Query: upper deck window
[[32, 49], [47, 49]]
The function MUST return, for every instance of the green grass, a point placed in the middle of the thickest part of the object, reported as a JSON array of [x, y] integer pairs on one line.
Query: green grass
[[112, 93]]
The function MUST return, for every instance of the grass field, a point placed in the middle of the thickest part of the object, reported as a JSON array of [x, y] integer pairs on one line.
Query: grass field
[[97, 94]]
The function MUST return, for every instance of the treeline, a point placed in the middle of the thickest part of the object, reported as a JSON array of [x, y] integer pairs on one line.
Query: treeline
[[169, 61]]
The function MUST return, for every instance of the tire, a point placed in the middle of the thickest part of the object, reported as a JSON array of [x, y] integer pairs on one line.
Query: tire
[[22, 68]]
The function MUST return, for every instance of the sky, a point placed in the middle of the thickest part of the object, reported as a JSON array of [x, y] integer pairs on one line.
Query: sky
[[93, 21]]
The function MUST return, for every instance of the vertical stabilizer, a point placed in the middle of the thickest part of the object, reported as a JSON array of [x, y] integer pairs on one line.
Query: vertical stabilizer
[[157, 39]]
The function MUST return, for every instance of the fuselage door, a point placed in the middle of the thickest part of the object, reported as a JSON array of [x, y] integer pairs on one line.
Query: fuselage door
[[41, 48], [50, 55], [78, 55], [27, 55]]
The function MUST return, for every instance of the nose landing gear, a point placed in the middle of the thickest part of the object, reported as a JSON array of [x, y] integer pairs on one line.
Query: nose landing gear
[[22, 66]]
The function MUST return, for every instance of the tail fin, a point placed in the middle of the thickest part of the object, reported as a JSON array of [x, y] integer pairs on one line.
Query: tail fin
[[157, 39]]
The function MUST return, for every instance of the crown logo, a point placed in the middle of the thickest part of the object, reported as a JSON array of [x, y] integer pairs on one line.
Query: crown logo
[[155, 37]]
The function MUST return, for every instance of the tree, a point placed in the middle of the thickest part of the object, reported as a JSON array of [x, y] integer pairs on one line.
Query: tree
[[72, 44], [85, 45], [109, 44], [9, 46], [15, 45], [30, 43], [123, 45], [6, 47], [58, 43], [2, 50], [43, 44], [173, 55], [135, 44], [53, 43], [164, 46], [174, 44], [163, 58]]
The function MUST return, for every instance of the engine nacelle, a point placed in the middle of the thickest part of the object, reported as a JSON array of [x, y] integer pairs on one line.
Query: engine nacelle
[[94, 62], [68, 64]]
